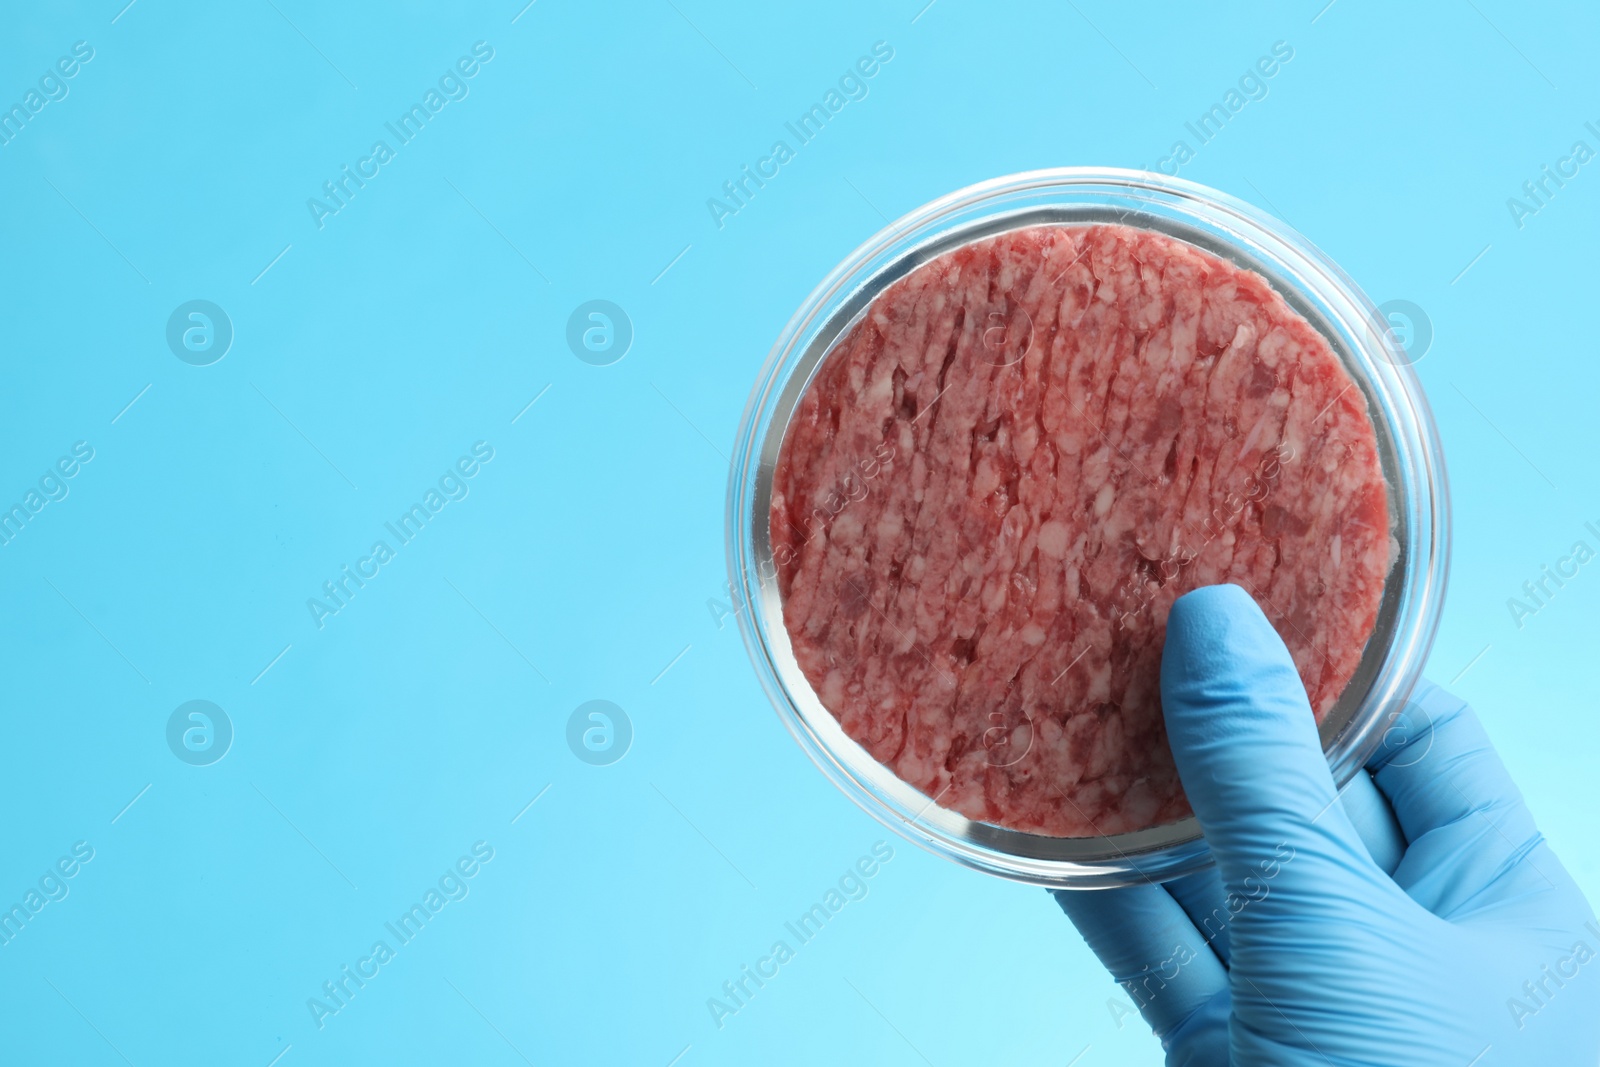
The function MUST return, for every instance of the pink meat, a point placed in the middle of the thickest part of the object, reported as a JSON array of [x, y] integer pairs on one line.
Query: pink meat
[[1007, 471]]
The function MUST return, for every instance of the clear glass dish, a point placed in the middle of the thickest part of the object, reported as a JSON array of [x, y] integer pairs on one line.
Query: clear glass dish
[[1311, 283]]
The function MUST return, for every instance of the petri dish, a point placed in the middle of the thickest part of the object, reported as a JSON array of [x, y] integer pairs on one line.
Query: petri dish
[[1312, 285]]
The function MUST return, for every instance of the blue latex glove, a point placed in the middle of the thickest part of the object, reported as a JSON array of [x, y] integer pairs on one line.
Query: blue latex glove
[[1298, 948]]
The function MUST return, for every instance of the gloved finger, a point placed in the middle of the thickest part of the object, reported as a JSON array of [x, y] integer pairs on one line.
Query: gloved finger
[[1202, 1039], [1463, 817], [1209, 906], [1151, 949], [1247, 751], [1374, 821], [1203, 899]]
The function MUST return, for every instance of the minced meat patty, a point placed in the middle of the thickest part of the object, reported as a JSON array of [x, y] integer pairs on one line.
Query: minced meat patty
[[1004, 474]]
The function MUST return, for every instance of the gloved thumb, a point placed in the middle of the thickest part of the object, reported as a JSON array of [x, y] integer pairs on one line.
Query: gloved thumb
[[1246, 745]]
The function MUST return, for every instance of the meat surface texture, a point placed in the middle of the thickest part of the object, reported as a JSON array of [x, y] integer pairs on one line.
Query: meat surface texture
[[1008, 469]]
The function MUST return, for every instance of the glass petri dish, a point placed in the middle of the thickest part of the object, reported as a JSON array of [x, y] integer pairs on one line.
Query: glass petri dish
[[1315, 287]]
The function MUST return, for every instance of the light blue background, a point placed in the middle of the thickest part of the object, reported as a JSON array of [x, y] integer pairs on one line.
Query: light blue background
[[427, 314]]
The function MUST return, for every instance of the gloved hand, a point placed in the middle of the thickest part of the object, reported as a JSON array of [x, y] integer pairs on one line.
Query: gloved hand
[[1297, 948]]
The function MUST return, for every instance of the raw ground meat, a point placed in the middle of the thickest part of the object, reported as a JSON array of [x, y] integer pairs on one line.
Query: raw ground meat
[[1006, 472]]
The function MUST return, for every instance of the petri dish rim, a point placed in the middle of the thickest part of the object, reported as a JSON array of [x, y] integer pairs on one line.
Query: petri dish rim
[[1313, 285]]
